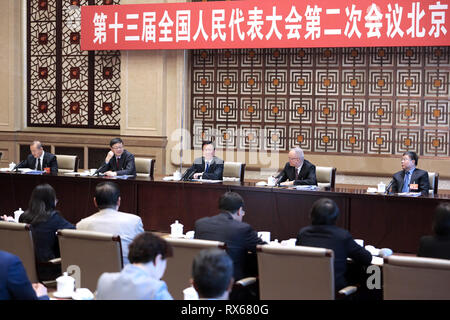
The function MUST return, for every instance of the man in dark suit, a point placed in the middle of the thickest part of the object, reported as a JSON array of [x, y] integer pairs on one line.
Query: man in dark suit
[[438, 245], [410, 179], [118, 162], [298, 170], [207, 167], [14, 283], [39, 159], [227, 226], [323, 233]]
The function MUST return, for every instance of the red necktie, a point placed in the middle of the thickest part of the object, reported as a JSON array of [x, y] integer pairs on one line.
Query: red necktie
[[117, 163], [296, 174]]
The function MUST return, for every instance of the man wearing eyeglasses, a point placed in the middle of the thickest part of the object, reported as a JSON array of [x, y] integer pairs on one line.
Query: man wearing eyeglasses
[[118, 162], [297, 171]]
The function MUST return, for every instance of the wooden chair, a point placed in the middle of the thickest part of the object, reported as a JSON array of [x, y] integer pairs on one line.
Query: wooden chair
[[93, 252], [179, 266], [297, 273], [416, 278]]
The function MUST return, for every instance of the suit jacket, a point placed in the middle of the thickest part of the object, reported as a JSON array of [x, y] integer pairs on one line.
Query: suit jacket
[[126, 165], [239, 238], [49, 161], [418, 176], [14, 283], [215, 170], [46, 244], [307, 175], [434, 247], [341, 242], [126, 225], [132, 283]]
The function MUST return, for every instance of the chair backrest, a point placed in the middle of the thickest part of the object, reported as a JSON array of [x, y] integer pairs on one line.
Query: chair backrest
[[295, 273], [144, 167], [67, 163], [326, 177], [416, 278], [93, 252], [233, 171], [179, 266], [434, 182], [16, 238]]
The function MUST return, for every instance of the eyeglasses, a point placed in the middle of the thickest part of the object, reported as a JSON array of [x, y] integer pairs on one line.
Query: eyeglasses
[[293, 158], [117, 148]]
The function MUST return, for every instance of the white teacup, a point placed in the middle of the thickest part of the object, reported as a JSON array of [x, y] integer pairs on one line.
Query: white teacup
[[381, 187], [190, 235], [271, 181], [65, 285], [177, 175]]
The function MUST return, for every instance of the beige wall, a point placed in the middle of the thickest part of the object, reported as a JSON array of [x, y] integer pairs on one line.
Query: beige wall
[[151, 107]]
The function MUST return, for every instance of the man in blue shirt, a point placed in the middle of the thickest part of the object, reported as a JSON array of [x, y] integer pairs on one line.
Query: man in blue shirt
[[410, 179], [14, 283]]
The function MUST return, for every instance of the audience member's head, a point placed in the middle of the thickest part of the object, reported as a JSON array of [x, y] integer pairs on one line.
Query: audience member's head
[[212, 274], [441, 223], [233, 203], [151, 252], [41, 205], [107, 195], [324, 212]]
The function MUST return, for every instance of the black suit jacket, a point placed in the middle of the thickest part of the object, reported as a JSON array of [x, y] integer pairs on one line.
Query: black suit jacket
[[127, 165], [307, 175], [14, 282], [418, 176], [49, 161], [215, 170], [46, 244], [239, 238], [434, 247], [341, 242]]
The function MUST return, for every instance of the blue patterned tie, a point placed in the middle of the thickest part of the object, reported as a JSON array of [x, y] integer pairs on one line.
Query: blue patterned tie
[[406, 182], [207, 166]]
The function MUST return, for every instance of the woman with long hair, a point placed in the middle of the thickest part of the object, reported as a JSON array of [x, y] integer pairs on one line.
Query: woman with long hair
[[45, 220]]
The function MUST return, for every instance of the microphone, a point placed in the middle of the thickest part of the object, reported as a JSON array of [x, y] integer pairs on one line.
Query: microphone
[[277, 183], [16, 168], [389, 186], [188, 174], [97, 172]]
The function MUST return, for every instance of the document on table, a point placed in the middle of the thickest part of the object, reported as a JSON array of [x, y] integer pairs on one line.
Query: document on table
[[207, 181]]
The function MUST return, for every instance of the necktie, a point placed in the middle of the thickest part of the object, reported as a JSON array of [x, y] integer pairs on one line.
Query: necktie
[[406, 182], [207, 166], [117, 163], [296, 174], [39, 167]]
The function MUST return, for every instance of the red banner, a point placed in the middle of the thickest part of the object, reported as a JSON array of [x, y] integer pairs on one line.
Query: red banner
[[266, 24]]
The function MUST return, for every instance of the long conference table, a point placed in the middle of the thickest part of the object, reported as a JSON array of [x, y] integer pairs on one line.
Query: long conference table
[[384, 221]]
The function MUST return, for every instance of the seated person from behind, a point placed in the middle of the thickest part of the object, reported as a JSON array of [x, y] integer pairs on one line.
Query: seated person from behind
[[141, 279], [208, 166], [323, 233], [45, 220], [109, 219], [212, 274], [438, 245], [14, 282], [118, 162], [410, 179], [298, 170], [228, 227], [39, 159]]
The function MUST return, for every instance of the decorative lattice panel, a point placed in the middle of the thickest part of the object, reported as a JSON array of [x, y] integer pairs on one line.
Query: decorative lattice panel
[[68, 87], [379, 101]]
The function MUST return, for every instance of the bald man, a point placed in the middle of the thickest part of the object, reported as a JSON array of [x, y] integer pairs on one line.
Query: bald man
[[39, 159], [297, 171]]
